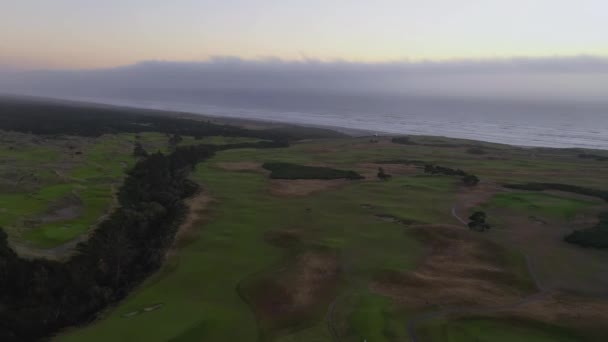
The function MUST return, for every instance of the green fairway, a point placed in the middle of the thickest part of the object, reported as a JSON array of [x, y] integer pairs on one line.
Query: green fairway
[[540, 204]]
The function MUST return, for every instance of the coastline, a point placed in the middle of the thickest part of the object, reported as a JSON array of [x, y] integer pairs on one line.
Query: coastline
[[266, 123]]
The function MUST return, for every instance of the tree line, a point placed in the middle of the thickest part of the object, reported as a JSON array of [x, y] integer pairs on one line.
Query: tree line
[[39, 297], [55, 118]]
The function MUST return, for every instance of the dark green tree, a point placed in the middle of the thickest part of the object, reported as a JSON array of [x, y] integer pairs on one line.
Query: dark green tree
[[470, 180], [383, 175]]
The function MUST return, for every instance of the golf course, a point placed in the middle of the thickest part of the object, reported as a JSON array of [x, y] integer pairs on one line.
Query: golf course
[[329, 237]]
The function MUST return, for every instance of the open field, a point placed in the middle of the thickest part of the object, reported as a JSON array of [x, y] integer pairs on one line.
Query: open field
[[348, 260]]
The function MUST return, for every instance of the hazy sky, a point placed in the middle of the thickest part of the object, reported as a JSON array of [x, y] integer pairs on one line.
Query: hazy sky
[[68, 34]]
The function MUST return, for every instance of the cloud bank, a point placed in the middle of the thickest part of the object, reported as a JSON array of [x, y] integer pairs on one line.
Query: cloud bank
[[580, 78]]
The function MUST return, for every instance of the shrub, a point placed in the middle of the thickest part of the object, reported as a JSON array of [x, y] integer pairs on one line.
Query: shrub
[[295, 171], [596, 237]]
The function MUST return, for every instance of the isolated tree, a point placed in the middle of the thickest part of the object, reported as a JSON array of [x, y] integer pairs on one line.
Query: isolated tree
[[139, 151], [174, 140], [470, 180], [383, 175], [478, 222]]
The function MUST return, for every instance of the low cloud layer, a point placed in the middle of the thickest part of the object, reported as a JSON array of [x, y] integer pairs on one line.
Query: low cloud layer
[[582, 78]]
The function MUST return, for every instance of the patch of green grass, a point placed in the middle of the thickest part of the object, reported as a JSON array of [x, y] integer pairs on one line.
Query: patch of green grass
[[493, 330], [368, 318], [539, 204]]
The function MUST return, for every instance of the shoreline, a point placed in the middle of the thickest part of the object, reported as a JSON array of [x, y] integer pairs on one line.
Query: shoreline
[[261, 123]]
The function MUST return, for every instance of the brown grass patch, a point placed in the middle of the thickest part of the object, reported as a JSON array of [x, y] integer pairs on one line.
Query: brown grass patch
[[303, 187], [460, 270], [471, 196], [559, 308], [294, 295], [188, 230], [370, 170]]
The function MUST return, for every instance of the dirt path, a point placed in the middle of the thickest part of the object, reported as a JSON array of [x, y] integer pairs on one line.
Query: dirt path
[[460, 219]]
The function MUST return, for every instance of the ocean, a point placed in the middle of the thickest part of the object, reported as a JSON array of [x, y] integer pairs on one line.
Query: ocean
[[547, 123]]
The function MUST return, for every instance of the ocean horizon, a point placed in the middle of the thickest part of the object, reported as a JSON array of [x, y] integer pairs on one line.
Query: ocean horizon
[[530, 123]]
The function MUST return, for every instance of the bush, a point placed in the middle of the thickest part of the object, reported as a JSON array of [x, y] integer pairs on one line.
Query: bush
[[478, 222], [470, 180], [294, 171], [467, 179], [595, 237], [383, 175]]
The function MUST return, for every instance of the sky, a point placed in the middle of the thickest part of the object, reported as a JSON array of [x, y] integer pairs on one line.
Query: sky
[[92, 34]]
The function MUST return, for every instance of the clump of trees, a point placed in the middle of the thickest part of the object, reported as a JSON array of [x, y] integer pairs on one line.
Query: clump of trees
[[281, 170], [139, 151], [383, 175], [174, 140], [478, 222], [467, 179], [595, 237]]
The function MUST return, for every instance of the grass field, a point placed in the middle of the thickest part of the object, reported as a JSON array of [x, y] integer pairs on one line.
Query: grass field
[[541, 204], [351, 260], [55, 189]]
